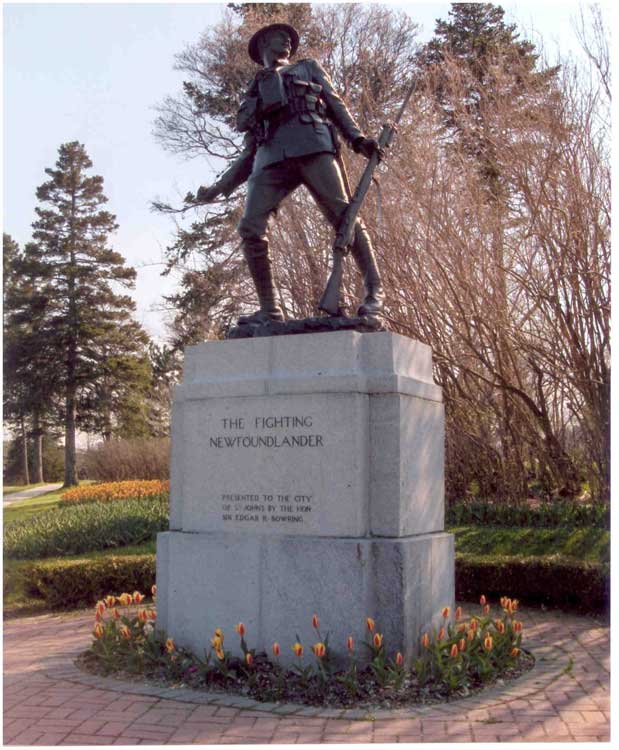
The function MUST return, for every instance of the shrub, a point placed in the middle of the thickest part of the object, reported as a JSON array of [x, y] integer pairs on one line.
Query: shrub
[[117, 460], [549, 580], [108, 491], [82, 528], [547, 515], [66, 584]]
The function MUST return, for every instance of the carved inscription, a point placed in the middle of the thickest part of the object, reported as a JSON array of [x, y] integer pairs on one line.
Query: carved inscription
[[265, 508], [266, 432], [262, 435]]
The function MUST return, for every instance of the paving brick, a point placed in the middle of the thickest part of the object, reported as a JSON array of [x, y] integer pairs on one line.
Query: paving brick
[[85, 739], [27, 737], [126, 741], [50, 738], [113, 728], [41, 702]]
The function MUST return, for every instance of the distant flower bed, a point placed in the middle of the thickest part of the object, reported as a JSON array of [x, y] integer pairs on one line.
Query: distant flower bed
[[134, 489], [86, 526]]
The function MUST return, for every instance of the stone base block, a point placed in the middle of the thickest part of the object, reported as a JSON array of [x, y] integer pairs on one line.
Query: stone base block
[[274, 585]]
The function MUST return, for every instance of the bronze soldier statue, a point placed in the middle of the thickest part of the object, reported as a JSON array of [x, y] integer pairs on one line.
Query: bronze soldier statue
[[288, 116]]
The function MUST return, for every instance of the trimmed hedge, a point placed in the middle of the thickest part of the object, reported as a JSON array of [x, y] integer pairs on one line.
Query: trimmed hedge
[[67, 584], [75, 530], [551, 580]]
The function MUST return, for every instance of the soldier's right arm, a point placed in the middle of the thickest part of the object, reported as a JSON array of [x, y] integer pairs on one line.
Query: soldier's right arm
[[240, 169], [236, 174]]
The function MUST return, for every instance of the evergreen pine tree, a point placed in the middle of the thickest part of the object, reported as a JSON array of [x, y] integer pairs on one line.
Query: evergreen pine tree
[[31, 363], [477, 37], [71, 233]]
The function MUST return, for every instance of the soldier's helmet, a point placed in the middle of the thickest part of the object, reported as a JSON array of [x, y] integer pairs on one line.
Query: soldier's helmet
[[254, 48]]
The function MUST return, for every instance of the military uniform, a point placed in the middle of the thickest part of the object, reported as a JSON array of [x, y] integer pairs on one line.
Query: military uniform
[[290, 115]]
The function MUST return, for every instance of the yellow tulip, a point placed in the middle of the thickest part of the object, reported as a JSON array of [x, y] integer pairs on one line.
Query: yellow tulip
[[370, 624], [377, 640], [169, 645], [298, 649], [319, 650]]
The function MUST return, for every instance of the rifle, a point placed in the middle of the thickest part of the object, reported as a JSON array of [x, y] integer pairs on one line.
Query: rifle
[[330, 301]]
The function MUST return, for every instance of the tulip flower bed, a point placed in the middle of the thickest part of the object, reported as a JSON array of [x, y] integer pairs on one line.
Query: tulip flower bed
[[84, 528], [108, 491], [462, 657]]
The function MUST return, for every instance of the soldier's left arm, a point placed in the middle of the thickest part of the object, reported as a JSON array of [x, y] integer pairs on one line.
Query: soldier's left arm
[[337, 110]]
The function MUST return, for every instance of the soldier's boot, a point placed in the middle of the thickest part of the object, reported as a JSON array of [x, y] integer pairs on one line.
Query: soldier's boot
[[366, 262], [259, 264]]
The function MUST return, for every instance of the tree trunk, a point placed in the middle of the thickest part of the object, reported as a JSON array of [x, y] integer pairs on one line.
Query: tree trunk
[[70, 463], [24, 452], [37, 434]]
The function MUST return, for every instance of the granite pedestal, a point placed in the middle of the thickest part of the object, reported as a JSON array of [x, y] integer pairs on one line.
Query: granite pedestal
[[307, 477]]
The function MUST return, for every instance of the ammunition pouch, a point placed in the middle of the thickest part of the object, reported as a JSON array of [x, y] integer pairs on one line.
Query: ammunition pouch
[[303, 101]]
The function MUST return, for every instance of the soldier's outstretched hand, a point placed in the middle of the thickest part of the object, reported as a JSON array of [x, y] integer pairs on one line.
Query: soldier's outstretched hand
[[207, 194], [204, 195], [367, 147]]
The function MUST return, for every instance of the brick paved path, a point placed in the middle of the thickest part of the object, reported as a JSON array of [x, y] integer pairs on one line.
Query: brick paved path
[[47, 701]]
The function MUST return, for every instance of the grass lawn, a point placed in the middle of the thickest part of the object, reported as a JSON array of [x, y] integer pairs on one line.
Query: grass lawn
[[588, 544], [24, 508], [9, 489]]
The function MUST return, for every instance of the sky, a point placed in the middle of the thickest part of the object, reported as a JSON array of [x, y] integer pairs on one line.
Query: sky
[[93, 72]]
